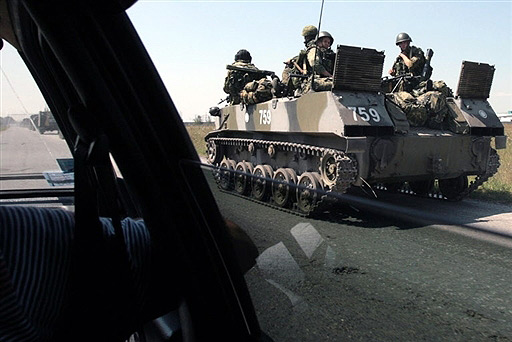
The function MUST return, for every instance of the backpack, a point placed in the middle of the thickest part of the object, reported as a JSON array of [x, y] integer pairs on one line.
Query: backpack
[[236, 80], [257, 91]]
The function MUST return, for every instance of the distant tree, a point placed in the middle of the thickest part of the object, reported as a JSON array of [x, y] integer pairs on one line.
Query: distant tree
[[7, 121], [198, 119]]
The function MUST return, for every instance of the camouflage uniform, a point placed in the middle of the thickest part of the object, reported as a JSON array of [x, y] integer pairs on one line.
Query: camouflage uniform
[[426, 107], [399, 68], [319, 60], [236, 80], [291, 69], [257, 91], [309, 33], [424, 103], [418, 62], [416, 114]]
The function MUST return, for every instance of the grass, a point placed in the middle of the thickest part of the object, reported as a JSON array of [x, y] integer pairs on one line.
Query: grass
[[497, 189], [197, 134]]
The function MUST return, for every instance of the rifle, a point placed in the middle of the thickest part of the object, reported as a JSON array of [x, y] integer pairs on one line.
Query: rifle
[[263, 72], [226, 99], [293, 63], [400, 78], [298, 68], [387, 79], [425, 75]]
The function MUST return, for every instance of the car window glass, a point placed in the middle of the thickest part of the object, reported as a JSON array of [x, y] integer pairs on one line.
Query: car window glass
[[33, 151]]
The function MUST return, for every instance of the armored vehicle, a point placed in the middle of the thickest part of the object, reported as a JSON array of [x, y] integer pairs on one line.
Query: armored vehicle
[[355, 136], [44, 122]]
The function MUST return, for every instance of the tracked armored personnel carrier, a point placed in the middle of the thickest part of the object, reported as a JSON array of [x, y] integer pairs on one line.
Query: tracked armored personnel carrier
[[44, 122], [354, 136]]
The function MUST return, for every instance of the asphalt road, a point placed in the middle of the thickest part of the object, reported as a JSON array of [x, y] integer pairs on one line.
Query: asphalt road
[[398, 269], [26, 152]]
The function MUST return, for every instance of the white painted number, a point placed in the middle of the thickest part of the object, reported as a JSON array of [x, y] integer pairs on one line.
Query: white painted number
[[365, 114], [374, 114], [265, 117]]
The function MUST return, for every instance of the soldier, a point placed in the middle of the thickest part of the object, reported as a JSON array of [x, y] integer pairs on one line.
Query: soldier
[[411, 59], [294, 65], [424, 103], [236, 80], [309, 33], [320, 62], [317, 60]]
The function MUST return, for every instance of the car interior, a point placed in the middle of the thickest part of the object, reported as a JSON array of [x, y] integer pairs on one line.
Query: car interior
[[146, 241], [311, 217]]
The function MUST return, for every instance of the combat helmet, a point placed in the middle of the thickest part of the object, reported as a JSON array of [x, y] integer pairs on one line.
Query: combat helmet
[[325, 34], [402, 37], [309, 30], [243, 55]]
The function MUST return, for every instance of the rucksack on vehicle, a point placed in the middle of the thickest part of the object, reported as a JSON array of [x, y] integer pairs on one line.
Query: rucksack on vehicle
[[257, 91]]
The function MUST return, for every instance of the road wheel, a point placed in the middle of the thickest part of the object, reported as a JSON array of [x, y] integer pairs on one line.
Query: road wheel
[[261, 182], [242, 178], [283, 190], [307, 191], [329, 168], [214, 152], [226, 174]]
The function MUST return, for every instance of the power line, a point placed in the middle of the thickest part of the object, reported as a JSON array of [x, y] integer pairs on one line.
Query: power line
[[14, 91]]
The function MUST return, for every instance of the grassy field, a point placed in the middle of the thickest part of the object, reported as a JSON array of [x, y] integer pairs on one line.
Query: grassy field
[[197, 134], [496, 189]]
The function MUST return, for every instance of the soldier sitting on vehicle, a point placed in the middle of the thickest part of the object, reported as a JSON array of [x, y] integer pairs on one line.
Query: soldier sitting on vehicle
[[423, 101], [411, 58], [320, 64], [295, 64], [243, 73]]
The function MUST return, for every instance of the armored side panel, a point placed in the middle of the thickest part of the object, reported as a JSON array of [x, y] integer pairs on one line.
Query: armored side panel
[[473, 90], [313, 118]]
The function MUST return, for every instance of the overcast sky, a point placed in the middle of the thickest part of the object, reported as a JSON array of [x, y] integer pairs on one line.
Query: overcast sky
[[191, 42]]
